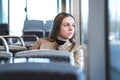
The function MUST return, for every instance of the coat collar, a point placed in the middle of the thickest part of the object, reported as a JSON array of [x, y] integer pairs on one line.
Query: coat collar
[[66, 44]]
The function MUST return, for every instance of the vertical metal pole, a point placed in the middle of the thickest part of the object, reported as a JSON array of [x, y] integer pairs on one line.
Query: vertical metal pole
[[26, 11]]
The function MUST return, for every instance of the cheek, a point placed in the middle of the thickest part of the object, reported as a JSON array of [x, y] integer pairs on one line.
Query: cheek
[[63, 31]]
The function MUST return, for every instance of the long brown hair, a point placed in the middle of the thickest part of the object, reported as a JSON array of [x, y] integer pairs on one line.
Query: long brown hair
[[57, 24]]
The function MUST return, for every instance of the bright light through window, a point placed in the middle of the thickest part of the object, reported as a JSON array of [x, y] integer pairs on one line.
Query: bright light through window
[[42, 9], [36, 10]]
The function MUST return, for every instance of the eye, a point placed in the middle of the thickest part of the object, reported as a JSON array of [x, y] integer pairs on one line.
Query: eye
[[67, 24], [73, 25]]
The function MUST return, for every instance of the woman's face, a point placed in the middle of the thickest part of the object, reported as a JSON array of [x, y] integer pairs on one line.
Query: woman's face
[[67, 29]]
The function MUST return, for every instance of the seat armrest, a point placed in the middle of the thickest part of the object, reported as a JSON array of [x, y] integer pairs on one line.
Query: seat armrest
[[18, 37], [4, 44]]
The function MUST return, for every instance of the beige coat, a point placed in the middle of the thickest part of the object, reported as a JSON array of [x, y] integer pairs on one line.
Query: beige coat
[[44, 43]]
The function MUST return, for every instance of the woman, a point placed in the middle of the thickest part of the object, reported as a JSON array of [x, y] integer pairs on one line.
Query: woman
[[62, 37]]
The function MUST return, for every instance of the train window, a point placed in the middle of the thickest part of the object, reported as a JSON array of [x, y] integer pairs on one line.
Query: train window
[[4, 11], [41, 9], [84, 20], [29, 9], [114, 39]]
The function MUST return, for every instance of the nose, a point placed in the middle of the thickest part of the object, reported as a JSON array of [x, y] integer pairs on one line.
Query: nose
[[71, 28]]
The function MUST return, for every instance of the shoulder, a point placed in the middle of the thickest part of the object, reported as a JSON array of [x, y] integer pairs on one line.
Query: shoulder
[[81, 48], [78, 45], [78, 48]]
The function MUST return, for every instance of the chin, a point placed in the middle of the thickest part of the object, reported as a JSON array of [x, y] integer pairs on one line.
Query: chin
[[69, 37]]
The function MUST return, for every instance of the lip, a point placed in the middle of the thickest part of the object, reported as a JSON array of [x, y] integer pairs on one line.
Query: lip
[[70, 33]]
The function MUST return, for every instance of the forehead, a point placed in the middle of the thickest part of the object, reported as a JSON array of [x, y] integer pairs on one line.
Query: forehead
[[68, 20]]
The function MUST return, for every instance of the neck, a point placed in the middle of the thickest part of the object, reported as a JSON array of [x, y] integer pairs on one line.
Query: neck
[[60, 42], [62, 39]]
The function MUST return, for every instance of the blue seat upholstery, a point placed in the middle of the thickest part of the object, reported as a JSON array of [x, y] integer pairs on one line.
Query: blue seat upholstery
[[33, 24], [52, 55], [39, 71], [37, 32], [47, 27], [48, 24], [34, 27], [5, 57]]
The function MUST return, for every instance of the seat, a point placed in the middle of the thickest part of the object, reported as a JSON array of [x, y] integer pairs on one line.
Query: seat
[[47, 27], [29, 40], [12, 46], [5, 57], [48, 24], [33, 24], [38, 32], [52, 55], [34, 27], [40, 71]]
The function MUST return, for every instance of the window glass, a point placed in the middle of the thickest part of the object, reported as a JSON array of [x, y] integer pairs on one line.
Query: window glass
[[4, 11], [42, 9], [16, 16], [114, 39], [36, 9], [84, 20]]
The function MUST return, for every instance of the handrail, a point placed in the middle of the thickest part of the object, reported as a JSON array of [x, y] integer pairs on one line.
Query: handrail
[[30, 36], [12, 36], [5, 44]]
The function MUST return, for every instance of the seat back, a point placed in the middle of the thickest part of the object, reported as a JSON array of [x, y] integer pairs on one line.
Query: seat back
[[5, 57], [48, 24], [33, 24], [34, 27], [39, 71], [52, 55], [47, 27], [37, 32], [10, 46], [29, 40]]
